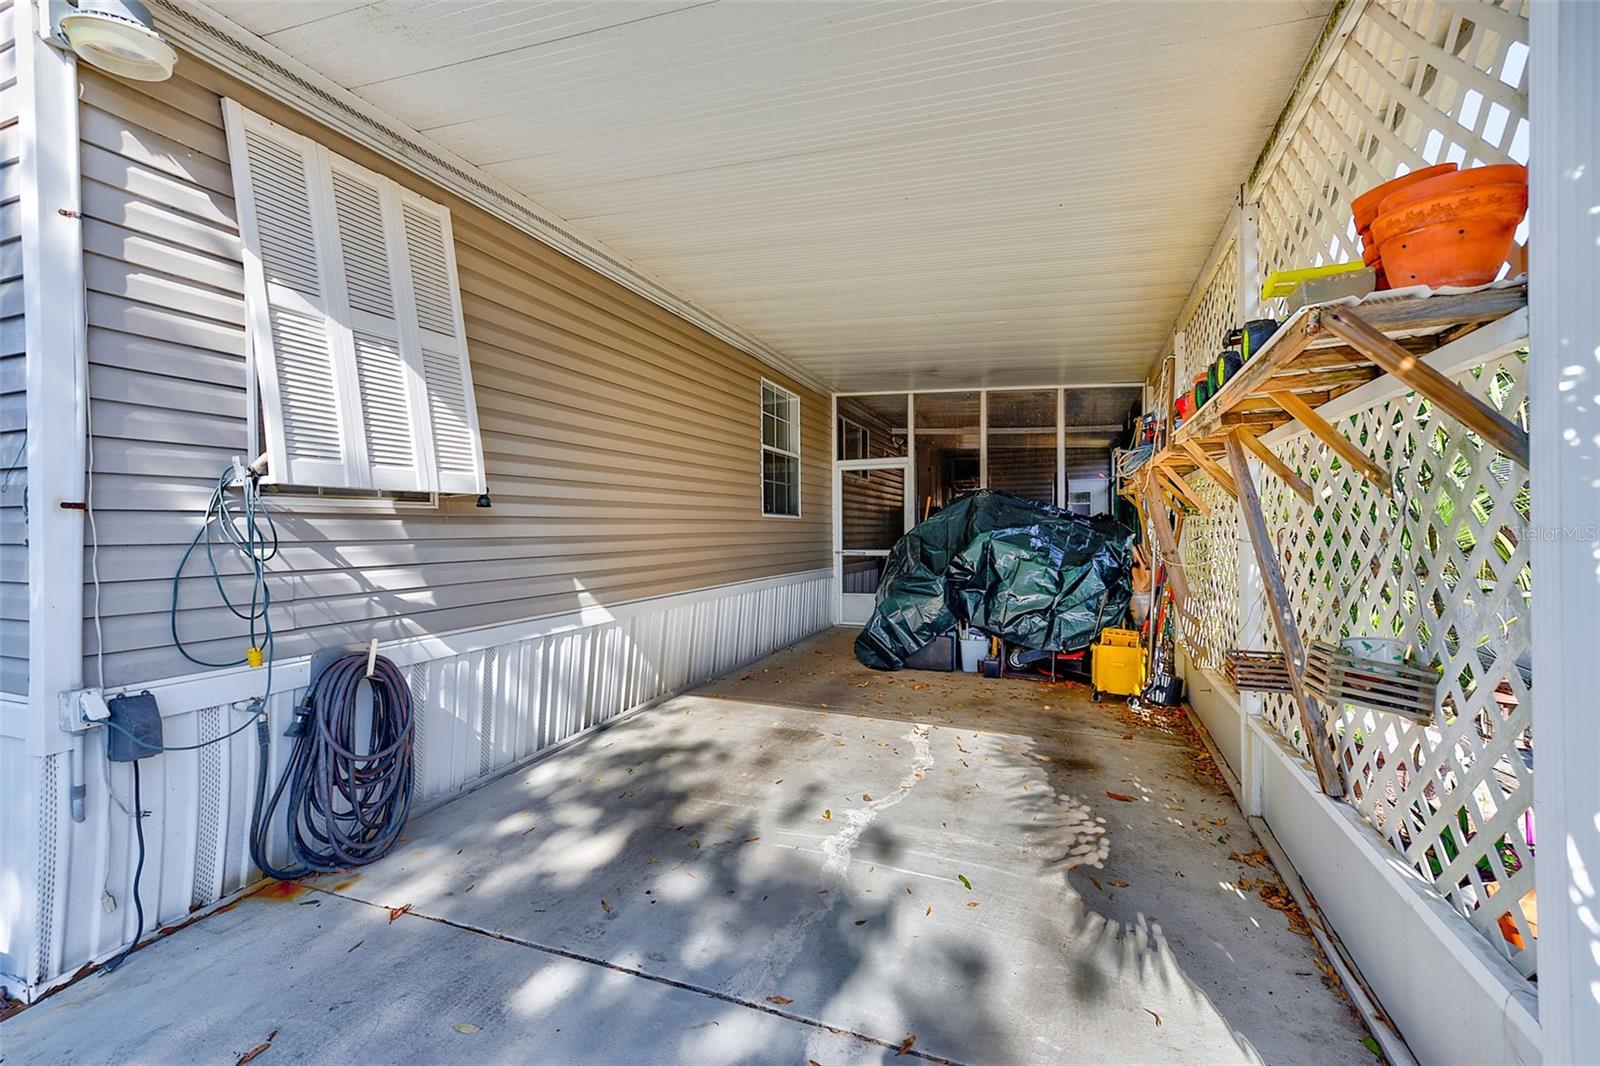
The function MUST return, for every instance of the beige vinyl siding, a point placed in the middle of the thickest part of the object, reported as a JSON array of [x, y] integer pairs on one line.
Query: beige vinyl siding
[[621, 443], [13, 386], [1029, 472]]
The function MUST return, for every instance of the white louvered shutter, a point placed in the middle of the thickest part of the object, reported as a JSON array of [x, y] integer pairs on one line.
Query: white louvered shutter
[[355, 320], [392, 396], [302, 363], [435, 301]]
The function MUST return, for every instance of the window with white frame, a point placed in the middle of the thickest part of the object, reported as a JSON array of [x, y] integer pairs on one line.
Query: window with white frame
[[353, 313], [855, 442], [780, 451]]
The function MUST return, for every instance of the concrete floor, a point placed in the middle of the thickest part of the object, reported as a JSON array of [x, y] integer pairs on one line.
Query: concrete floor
[[803, 861]]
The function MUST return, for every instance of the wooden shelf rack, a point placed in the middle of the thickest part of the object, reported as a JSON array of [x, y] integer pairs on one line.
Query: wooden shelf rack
[[1318, 355]]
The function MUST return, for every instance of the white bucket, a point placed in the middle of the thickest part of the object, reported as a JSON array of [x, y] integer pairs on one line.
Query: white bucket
[[1378, 649], [973, 649]]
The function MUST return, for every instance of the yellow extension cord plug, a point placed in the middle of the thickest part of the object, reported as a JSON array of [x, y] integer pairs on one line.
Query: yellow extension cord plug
[[253, 657]]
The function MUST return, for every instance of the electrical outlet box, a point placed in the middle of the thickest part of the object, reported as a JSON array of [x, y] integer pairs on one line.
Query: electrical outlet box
[[134, 728], [83, 708]]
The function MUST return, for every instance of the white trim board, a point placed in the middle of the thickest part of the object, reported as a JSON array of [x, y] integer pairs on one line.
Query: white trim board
[[201, 31]]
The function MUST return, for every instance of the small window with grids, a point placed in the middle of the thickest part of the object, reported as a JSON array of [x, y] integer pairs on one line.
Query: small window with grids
[[855, 442], [780, 451]]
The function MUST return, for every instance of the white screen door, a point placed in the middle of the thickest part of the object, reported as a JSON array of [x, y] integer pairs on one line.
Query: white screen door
[[871, 510]]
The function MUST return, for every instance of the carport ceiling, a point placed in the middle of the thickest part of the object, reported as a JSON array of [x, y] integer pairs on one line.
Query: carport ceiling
[[890, 195]]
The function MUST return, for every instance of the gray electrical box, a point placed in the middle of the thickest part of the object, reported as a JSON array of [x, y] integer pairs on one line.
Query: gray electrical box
[[134, 729]]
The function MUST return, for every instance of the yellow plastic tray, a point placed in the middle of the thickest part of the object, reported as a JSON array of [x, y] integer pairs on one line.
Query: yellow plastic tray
[[1283, 282]]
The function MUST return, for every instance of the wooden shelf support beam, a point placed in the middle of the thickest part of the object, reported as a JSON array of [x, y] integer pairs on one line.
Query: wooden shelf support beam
[[1341, 445], [1310, 710], [1455, 401], [1167, 542], [1182, 490], [1252, 444], [1209, 466]]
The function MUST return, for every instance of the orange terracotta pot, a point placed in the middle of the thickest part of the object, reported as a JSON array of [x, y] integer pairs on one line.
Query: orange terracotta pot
[[1455, 181], [1459, 237], [1365, 207]]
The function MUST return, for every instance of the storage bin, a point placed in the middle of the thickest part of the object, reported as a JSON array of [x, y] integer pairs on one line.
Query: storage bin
[[938, 654], [1117, 665], [973, 650]]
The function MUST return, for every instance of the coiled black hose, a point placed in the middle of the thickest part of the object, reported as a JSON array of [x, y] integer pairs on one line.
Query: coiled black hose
[[347, 800]]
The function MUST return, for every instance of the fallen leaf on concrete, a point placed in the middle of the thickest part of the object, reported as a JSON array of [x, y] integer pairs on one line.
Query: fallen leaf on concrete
[[782, 1001], [779, 781], [1153, 1014], [694, 844], [1117, 884], [396, 912], [1251, 858], [1095, 883], [751, 840], [929, 911], [1278, 898], [905, 1045], [865, 798], [1120, 798], [965, 883], [827, 816], [605, 906], [258, 1049], [465, 1028], [972, 903]]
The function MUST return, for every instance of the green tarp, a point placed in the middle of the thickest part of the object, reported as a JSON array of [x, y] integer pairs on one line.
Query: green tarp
[[1034, 575]]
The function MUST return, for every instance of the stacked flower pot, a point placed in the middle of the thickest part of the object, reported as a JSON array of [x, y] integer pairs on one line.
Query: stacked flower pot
[[1442, 226]]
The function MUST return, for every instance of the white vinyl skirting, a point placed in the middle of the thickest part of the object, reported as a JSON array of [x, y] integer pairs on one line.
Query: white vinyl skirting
[[487, 701]]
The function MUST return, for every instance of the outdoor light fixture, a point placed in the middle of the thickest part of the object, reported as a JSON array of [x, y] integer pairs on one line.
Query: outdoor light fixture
[[117, 36]]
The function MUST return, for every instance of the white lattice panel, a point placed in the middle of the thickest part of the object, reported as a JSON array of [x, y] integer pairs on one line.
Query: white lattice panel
[[1418, 82], [1443, 562], [1443, 565], [1214, 314], [1209, 625]]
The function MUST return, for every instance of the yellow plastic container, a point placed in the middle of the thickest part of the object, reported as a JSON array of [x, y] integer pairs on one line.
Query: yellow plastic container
[[1117, 665]]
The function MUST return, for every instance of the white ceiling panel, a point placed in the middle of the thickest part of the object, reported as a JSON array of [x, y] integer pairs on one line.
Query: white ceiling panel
[[891, 194]]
